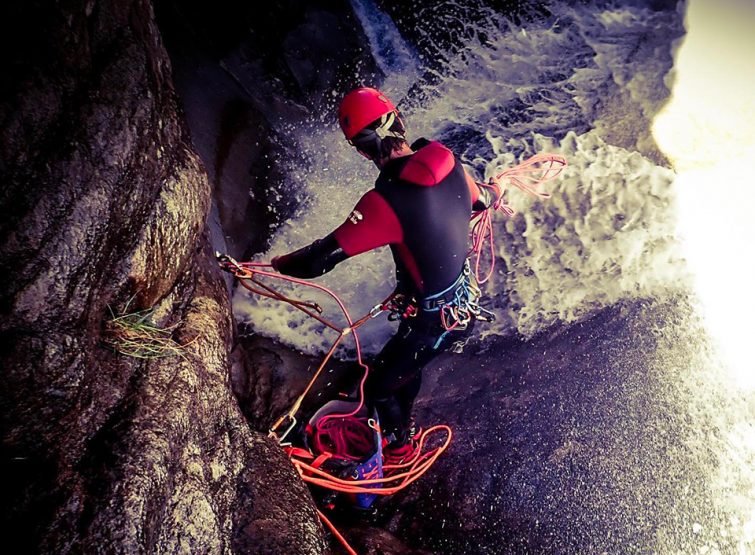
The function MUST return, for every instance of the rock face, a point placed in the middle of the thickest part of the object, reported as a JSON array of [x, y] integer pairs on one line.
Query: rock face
[[605, 437], [104, 205]]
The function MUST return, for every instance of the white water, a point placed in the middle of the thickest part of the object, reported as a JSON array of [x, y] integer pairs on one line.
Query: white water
[[605, 235], [708, 130]]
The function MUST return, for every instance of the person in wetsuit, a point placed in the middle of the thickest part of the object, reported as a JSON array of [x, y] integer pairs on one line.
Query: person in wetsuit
[[421, 207]]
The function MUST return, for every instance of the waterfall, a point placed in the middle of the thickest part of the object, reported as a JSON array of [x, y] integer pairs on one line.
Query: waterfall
[[394, 56], [607, 233]]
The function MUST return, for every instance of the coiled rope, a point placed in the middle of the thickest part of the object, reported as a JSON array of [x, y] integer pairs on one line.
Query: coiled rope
[[529, 176], [348, 434]]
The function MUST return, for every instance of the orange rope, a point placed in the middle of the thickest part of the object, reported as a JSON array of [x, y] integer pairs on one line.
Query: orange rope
[[249, 270], [529, 176], [418, 465], [336, 533], [406, 472]]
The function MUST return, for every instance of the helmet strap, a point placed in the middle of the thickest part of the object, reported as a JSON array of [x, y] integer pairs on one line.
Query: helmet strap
[[373, 137], [384, 129]]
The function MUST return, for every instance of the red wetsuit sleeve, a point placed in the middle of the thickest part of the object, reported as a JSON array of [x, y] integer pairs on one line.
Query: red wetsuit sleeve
[[371, 224]]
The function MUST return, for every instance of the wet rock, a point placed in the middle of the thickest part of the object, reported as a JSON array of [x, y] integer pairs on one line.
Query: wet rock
[[369, 540], [603, 437], [229, 128], [247, 77], [106, 205], [325, 51], [265, 382], [264, 522], [268, 378]]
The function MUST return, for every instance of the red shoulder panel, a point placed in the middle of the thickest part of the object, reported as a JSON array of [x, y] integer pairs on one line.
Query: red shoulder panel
[[429, 165], [371, 224]]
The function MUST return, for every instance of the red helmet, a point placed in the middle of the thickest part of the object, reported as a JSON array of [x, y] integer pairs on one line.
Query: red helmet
[[360, 108]]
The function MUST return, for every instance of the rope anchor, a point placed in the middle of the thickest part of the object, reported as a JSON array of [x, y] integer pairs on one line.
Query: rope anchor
[[229, 264], [280, 422]]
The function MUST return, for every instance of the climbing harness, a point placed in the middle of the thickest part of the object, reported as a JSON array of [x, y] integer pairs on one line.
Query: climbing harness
[[460, 303]]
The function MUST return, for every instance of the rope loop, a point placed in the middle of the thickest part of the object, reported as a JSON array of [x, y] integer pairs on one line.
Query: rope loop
[[345, 433], [529, 177]]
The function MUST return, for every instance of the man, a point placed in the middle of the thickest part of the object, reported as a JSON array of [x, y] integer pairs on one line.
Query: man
[[421, 206]]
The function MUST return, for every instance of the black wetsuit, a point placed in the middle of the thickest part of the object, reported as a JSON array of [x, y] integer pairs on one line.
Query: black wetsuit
[[420, 206]]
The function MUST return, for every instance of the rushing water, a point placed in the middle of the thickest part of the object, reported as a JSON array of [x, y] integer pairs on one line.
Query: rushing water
[[606, 234], [574, 83]]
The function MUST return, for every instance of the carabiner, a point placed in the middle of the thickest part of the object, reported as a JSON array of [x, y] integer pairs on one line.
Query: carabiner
[[226, 262], [378, 309]]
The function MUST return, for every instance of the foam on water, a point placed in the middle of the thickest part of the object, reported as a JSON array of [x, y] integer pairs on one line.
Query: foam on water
[[607, 233], [551, 77], [333, 187]]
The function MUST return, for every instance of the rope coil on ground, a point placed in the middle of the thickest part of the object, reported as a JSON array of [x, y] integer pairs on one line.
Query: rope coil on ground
[[404, 473]]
